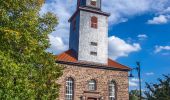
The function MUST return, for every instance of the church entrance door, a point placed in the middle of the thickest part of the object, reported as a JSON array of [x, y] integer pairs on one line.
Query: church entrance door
[[92, 99]]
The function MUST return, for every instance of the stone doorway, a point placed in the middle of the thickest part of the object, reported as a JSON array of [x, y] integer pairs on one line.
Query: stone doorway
[[92, 99]]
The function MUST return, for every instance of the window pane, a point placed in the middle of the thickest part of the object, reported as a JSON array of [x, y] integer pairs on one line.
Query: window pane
[[94, 22], [112, 91], [69, 89], [92, 85]]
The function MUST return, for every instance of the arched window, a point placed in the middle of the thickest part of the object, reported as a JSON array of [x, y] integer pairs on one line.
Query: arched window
[[94, 22], [92, 85], [69, 89], [93, 2], [112, 90]]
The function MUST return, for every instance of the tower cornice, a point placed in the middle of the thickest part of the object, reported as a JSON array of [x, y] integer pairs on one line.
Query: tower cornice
[[85, 8]]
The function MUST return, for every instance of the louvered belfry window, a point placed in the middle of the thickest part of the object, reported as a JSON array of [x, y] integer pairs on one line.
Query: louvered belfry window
[[94, 22]]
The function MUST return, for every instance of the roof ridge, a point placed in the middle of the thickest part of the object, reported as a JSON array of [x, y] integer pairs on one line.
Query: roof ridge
[[69, 56]]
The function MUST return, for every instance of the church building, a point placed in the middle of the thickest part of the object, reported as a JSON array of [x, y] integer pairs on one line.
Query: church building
[[89, 74]]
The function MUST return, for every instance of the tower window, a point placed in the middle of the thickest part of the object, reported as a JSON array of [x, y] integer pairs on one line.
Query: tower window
[[92, 85], [94, 43], [74, 24], [69, 89], [93, 2], [93, 53], [94, 22]]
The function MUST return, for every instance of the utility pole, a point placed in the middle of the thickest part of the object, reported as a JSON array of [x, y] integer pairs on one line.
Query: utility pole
[[138, 69]]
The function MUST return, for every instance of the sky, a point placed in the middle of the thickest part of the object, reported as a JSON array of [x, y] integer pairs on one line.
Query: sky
[[139, 30]]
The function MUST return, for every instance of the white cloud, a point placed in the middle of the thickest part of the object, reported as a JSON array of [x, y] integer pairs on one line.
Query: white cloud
[[63, 9], [149, 73], [135, 79], [57, 45], [161, 19], [133, 84], [142, 36], [161, 48], [120, 11], [162, 16], [119, 48], [166, 11]]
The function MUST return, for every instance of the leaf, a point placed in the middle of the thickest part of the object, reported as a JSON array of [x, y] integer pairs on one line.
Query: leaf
[[25, 66]]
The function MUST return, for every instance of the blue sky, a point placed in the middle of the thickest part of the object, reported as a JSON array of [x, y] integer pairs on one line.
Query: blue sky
[[139, 30], [153, 64]]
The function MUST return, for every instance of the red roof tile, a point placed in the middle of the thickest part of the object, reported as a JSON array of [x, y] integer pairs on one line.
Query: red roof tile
[[70, 57]]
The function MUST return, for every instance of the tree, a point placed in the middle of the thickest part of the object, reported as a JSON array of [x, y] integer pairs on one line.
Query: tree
[[134, 95], [27, 71], [159, 91]]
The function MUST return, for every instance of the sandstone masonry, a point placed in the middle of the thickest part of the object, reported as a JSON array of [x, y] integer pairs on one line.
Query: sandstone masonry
[[82, 75]]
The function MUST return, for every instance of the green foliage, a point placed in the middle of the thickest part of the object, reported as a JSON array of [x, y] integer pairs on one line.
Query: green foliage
[[27, 71], [159, 91], [134, 95]]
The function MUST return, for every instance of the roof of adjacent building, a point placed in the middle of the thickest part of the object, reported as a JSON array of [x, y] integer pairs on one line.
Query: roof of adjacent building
[[70, 58]]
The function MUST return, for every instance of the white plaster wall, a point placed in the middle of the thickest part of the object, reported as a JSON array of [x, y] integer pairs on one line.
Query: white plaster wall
[[88, 34]]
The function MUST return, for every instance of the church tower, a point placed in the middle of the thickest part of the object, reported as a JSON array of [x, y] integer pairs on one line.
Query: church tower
[[89, 32], [88, 72]]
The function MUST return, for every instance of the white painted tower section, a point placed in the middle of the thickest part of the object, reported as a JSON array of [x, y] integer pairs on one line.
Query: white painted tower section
[[90, 44]]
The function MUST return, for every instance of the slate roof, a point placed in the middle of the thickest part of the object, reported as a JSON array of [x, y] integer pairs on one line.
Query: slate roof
[[69, 57]]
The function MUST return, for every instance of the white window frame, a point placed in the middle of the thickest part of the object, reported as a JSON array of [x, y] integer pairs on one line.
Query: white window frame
[[112, 90], [92, 85], [69, 89]]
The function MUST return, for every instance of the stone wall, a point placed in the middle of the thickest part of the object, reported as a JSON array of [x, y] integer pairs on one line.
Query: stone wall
[[82, 75]]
